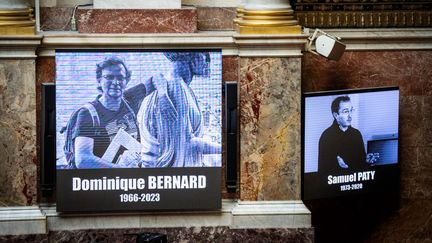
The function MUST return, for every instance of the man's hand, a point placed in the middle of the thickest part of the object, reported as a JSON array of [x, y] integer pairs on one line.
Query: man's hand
[[341, 162], [165, 104], [160, 83], [129, 160]]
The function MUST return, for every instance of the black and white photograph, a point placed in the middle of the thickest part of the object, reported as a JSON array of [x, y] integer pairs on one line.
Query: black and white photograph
[[350, 139], [138, 109], [138, 130]]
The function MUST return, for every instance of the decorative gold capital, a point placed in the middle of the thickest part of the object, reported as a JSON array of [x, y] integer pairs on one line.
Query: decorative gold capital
[[17, 22], [269, 21]]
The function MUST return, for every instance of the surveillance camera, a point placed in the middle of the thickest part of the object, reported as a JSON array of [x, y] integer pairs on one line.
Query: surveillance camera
[[326, 45], [329, 47]]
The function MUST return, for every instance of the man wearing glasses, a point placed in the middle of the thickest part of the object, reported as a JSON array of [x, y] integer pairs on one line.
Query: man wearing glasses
[[115, 108], [341, 146]]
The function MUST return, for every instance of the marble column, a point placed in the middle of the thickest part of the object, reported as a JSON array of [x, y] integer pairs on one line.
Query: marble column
[[270, 44], [270, 92], [270, 128], [16, 17], [18, 160], [267, 17]]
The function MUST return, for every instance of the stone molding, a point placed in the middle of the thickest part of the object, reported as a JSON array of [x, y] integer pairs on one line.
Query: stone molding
[[233, 44], [68, 40], [22, 220], [270, 45], [19, 47], [234, 214], [269, 208], [268, 214], [384, 39]]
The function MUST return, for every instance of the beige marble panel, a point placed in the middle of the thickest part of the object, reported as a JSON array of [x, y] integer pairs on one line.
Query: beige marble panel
[[136, 4], [72, 3], [11, 4], [18, 171], [213, 18], [213, 3], [270, 128]]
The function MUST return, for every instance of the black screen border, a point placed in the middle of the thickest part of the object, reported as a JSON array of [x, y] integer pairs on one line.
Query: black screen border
[[206, 203], [306, 95], [144, 49]]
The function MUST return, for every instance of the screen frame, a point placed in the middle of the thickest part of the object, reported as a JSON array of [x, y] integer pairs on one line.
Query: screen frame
[[306, 95], [215, 204], [175, 49]]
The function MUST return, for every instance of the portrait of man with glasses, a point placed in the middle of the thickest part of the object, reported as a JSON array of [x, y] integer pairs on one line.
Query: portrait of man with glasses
[[114, 109], [341, 147]]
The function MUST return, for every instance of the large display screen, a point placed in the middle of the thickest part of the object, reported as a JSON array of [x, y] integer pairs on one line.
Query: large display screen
[[138, 130], [350, 142]]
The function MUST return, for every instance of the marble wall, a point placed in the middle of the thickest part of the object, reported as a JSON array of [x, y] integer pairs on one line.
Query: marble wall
[[205, 3], [211, 18], [193, 234], [45, 73], [137, 20], [55, 18], [408, 216], [230, 68], [18, 161], [270, 131], [204, 18], [270, 128]]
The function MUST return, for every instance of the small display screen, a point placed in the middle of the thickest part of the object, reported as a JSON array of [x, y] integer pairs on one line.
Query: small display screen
[[350, 142]]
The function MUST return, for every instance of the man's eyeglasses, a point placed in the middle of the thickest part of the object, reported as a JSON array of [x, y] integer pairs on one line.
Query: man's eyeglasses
[[110, 77], [346, 111]]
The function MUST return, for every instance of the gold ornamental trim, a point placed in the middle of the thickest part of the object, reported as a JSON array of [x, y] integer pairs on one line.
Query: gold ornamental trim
[[264, 23], [268, 21], [15, 12], [281, 30], [257, 17], [369, 19], [17, 23], [17, 30], [14, 18], [269, 12]]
